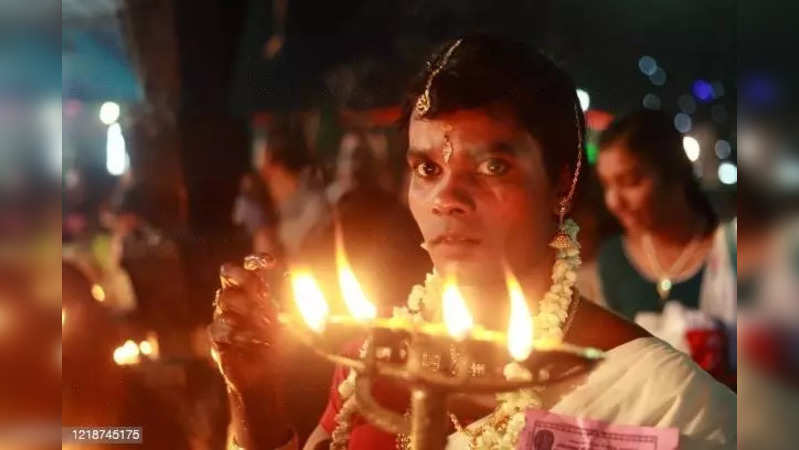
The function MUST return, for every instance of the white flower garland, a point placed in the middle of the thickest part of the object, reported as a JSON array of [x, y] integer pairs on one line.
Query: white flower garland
[[502, 429]]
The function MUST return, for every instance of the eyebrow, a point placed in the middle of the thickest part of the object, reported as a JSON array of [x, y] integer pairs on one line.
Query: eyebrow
[[417, 152], [500, 147]]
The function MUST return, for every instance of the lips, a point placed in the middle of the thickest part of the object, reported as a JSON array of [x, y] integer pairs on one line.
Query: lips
[[627, 218], [456, 239], [454, 247]]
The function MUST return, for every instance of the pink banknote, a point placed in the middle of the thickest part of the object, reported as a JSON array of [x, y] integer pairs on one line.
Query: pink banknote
[[548, 431]]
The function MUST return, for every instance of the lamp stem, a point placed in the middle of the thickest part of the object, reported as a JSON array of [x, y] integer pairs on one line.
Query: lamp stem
[[428, 419]]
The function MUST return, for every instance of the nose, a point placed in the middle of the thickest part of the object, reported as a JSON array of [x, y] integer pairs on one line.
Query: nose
[[612, 199], [453, 198]]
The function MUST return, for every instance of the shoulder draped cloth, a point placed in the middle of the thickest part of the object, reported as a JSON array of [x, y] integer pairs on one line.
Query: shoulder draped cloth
[[646, 382]]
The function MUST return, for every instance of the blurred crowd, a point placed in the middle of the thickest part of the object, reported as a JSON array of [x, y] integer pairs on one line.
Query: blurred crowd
[[131, 273], [133, 288], [719, 280]]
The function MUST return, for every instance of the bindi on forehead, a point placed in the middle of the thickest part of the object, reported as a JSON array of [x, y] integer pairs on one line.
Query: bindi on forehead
[[472, 133]]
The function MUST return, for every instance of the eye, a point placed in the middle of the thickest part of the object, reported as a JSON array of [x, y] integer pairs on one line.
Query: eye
[[493, 167], [426, 169]]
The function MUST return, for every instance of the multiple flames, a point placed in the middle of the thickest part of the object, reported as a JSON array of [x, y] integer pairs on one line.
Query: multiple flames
[[130, 353], [458, 320]]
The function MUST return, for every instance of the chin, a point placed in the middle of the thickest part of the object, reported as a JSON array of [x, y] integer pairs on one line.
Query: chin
[[629, 224], [472, 271]]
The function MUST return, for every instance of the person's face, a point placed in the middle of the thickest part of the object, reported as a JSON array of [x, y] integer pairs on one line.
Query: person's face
[[479, 193], [345, 164], [632, 191]]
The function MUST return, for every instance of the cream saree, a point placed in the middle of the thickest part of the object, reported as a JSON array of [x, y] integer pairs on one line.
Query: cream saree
[[647, 382]]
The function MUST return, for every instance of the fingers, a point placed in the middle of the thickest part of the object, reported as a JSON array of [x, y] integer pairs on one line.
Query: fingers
[[250, 312], [243, 312], [221, 329], [259, 262], [251, 276], [240, 356], [232, 275], [231, 329], [241, 331]]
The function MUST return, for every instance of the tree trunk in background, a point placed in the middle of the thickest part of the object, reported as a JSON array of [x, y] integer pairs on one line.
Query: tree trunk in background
[[215, 145], [188, 150], [154, 140]]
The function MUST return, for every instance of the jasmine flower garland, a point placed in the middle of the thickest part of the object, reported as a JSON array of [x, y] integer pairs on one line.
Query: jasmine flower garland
[[502, 428]]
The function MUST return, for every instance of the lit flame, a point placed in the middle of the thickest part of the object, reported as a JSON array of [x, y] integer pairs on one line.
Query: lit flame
[[127, 354], [145, 348], [310, 300], [520, 329], [456, 316], [149, 347], [98, 293], [357, 303]]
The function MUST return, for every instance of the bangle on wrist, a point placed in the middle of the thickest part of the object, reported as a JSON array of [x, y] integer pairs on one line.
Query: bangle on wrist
[[290, 444]]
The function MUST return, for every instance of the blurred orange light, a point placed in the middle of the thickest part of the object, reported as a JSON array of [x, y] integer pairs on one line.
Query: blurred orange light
[[520, 328], [357, 303], [457, 318], [309, 300], [98, 293]]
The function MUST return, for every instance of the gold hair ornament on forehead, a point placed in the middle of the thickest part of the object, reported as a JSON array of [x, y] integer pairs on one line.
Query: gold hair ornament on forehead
[[423, 102]]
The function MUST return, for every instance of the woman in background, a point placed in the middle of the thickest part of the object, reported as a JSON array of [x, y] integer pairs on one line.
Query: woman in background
[[672, 246]]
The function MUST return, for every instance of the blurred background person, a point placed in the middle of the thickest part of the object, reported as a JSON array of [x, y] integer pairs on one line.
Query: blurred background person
[[253, 207], [378, 233], [152, 257], [294, 187], [361, 159], [596, 225], [87, 242], [353, 154], [673, 257]]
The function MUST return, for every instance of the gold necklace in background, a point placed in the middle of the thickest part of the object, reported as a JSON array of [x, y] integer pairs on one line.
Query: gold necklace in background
[[665, 278]]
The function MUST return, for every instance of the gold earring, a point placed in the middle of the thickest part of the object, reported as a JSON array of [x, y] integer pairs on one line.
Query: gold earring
[[562, 240]]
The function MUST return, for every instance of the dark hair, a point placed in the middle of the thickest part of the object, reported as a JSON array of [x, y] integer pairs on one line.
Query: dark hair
[[287, 145], [484, 71], [651, 137]]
